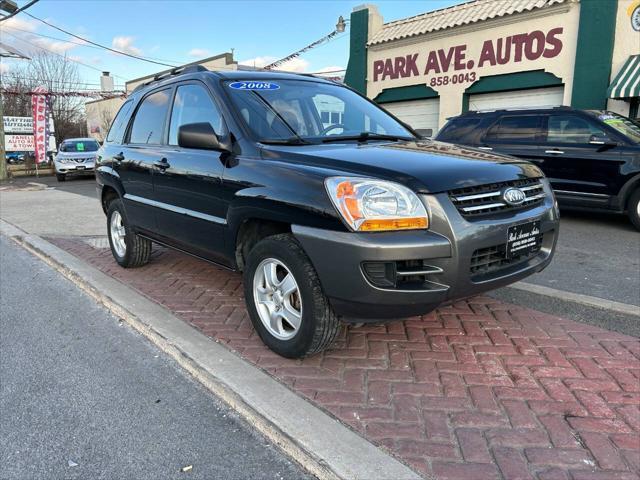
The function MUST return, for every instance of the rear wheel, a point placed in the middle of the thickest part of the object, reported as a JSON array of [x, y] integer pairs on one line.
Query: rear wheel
[[633, 208], [129, 250], [61, 177], [285, 300]]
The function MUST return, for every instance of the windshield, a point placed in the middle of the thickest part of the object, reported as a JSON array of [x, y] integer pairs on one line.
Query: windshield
[[79, 146], [309, 112], [626, 126]]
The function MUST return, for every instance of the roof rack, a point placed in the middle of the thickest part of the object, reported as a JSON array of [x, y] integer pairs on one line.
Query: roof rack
[[510, 109], [170, 73]]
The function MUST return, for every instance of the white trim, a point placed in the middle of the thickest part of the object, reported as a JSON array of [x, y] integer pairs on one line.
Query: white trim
[[174, 209]]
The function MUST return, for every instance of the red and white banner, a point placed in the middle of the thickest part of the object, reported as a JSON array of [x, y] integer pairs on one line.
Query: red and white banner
[[40, 109]]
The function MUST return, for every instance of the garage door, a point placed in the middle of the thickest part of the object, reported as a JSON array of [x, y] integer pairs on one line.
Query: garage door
[[417, 113], [535, 97]]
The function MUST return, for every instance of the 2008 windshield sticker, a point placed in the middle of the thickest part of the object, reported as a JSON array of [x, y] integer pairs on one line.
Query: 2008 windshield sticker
[[254, 86]]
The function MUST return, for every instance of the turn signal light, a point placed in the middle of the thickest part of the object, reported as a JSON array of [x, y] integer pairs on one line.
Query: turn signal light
[[394, 224]]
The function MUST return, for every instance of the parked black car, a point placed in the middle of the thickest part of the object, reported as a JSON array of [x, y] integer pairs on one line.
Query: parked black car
[[591, 157], [358, 220]]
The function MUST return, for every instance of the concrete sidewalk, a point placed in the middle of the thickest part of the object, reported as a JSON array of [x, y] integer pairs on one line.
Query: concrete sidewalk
[[480, 389]]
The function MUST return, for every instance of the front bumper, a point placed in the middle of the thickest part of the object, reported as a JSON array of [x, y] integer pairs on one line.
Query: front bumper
[[444, 252], [74, 168]]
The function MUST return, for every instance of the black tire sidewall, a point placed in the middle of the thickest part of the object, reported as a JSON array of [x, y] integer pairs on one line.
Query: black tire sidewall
[[632, 208], [116, 205], [294, 261]]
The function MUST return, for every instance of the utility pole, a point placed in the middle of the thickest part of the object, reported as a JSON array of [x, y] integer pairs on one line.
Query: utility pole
[[6, 51]]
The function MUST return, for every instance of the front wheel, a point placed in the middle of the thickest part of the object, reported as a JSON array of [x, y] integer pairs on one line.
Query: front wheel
[[128, 249], [61, 177], [633, 208], [285, 300]]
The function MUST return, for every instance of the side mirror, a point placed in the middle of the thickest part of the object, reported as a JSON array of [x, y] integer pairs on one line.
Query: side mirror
[[424, 132], [601, 140], [200, 136]]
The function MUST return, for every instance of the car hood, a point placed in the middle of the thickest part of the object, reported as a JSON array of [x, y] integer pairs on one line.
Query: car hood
[[425, 166]]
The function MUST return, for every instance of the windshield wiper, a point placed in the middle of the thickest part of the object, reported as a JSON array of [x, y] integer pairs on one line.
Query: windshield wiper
[[364, 136], [285, 141]]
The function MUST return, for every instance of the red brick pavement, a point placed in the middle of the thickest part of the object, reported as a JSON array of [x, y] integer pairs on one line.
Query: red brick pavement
[[477, 390]]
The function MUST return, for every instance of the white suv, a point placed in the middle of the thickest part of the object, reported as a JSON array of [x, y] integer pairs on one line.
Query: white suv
[[76, 156]]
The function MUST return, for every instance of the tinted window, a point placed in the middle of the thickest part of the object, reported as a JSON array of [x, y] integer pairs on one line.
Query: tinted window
[[192, 104], [79, 146], [571, 129], [119, 124], [148, 123], [456, 130], [297, 108], [519, 128]]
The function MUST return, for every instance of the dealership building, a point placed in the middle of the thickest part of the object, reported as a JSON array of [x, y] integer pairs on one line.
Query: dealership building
[[493, 54]]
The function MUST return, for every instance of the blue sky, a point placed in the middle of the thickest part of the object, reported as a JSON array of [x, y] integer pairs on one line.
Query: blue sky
[[182, 31]]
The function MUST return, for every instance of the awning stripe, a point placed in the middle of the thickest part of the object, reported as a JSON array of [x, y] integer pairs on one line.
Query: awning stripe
[[627, 82]]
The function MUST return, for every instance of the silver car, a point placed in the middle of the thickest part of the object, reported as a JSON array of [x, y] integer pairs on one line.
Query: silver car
[[76, 156]]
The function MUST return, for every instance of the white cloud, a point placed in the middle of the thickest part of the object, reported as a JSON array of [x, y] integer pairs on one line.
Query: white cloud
[[125, 44], [298, 64], [20, 24], [53, 45], [332, 69], [199, 53]]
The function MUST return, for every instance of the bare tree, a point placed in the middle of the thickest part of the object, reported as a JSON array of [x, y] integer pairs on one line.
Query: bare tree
[[106, 117], [56, 74]]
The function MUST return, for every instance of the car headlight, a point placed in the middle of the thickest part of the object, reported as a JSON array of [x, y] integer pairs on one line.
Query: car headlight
[[371, 205]]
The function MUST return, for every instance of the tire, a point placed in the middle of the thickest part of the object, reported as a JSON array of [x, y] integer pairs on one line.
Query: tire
[[633, 208], [318, 325], [136, 249], [61, 177]]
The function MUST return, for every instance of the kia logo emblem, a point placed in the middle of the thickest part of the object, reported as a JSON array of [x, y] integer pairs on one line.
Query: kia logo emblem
[[514, 196]]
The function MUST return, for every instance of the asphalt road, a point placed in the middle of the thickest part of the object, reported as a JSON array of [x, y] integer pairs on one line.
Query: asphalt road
[[597, 254], [83, 396]]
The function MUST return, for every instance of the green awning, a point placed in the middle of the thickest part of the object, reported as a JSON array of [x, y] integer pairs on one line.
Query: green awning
[[627, 82]]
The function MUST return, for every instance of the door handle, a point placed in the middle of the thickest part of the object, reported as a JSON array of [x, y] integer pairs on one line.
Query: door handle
[[554, 151], [162, 164], [485, 148], [118, 158]]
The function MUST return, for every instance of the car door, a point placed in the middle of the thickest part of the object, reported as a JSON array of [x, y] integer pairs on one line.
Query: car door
[[143, 149], [515, 134], [188, 185], [579, 171]]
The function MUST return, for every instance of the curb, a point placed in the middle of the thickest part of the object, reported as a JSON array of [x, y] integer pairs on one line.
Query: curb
[[320, 443], [588, 300]]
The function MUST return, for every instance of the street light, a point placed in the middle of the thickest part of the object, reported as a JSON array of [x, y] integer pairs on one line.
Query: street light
[[8, 6], [341, 25]]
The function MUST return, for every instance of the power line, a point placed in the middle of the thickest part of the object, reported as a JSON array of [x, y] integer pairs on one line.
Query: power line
[[63, 56], [7, 17], [82, 44], [98, 44]]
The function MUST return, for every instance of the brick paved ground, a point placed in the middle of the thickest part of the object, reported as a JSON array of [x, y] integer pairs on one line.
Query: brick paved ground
[[477, 390]]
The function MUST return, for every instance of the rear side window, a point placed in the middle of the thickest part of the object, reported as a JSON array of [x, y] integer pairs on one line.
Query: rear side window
[[458, 130], [516, 128], [571, 129], [192, 104], [119, 124], [148, 124]]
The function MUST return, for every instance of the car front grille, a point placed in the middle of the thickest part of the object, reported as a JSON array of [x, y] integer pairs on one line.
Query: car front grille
[[485, 199], [491, 259]]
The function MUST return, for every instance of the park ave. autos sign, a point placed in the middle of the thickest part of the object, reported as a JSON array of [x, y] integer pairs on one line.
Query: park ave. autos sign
[[455, 64]]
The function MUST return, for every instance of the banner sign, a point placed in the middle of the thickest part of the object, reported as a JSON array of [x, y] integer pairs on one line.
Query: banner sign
[[22, 125], [40, 109], [456, 65]]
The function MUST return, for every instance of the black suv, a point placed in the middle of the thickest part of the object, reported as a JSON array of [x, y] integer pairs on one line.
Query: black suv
[[592, 158], [356, 220]]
